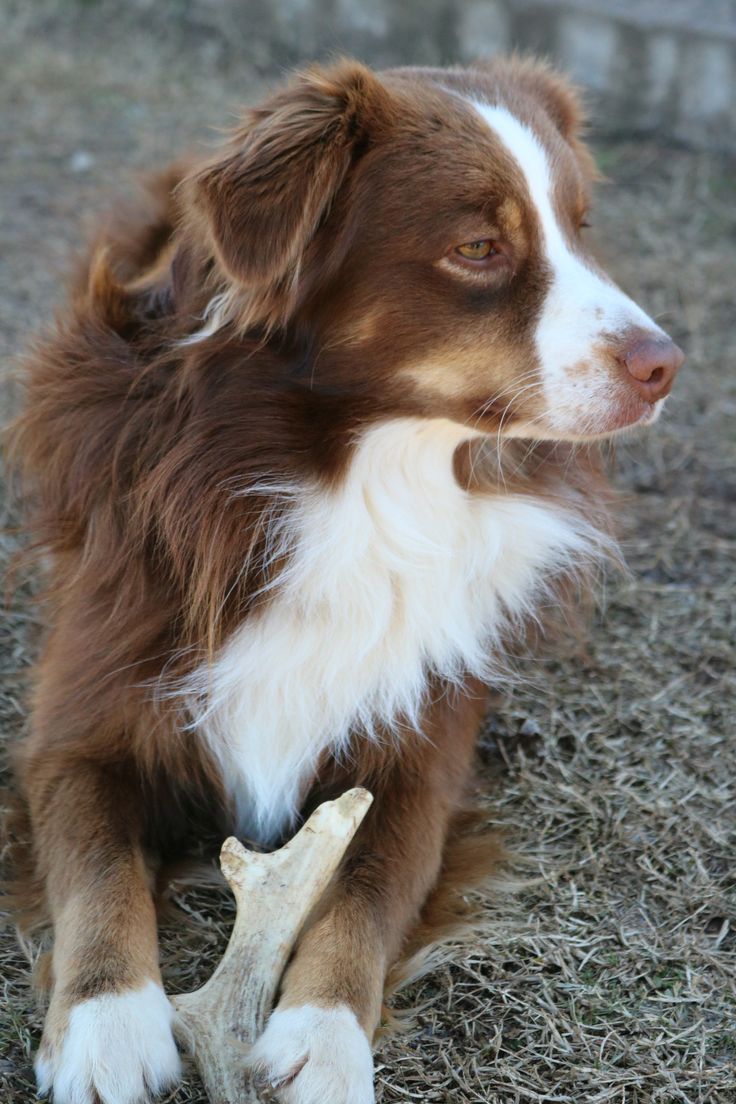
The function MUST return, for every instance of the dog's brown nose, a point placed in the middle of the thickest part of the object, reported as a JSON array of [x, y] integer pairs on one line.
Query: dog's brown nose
[[652, 363]]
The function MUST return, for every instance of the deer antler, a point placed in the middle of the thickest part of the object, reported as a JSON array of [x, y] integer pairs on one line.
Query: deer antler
[[274, 894]]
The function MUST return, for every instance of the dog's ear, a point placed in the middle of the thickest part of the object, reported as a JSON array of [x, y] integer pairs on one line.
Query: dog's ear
[[264, 199], [565, 105], [561, 100]]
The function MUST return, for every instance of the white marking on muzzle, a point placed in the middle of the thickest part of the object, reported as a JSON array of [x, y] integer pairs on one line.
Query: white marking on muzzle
[[581, 307]]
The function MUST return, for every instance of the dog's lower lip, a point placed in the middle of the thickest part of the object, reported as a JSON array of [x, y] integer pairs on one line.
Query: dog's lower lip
[[625, 417], [648, 410], [638, 414]]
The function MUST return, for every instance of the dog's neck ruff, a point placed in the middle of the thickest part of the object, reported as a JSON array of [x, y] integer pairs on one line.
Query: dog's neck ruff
[[396, 575]]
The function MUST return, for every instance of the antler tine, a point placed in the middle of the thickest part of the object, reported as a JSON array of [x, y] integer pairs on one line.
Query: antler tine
[[274, 895]]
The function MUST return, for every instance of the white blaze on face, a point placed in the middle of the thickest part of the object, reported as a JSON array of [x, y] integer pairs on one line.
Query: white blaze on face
[[581, 308]]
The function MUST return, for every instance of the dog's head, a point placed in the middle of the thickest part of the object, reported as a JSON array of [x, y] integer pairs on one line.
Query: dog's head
[[425, 228]]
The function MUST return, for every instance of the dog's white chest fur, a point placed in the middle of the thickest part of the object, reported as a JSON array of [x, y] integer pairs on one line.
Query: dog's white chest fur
[[396, 574]]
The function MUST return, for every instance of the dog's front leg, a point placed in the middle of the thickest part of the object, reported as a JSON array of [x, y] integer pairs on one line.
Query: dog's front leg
[[107, 1035], [316, 1048]]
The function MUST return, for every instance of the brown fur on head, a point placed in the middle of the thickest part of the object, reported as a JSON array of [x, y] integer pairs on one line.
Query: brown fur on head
[[259, 204], [337, 209]]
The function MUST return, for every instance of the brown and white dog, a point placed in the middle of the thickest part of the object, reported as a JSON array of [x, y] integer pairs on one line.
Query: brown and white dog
[[305, 453]]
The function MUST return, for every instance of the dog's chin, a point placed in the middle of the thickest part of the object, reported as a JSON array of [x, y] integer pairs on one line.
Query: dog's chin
[[622, 420], [641, 416]]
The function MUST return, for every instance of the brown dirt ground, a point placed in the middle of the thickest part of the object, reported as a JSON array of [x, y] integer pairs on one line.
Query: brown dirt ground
[[611, 976]]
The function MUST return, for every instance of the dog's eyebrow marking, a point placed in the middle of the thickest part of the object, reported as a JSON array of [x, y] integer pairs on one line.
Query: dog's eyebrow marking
[[510, 212]]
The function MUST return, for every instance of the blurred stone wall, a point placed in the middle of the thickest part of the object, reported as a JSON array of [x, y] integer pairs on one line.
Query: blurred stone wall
[[657, 65], [664, 66]]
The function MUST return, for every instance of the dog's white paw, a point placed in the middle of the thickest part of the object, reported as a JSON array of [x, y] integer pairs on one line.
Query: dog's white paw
[[310, 1055], [117, 1049]]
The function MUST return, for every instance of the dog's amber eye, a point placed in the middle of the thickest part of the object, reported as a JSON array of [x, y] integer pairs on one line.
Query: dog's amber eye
[[477, 250]]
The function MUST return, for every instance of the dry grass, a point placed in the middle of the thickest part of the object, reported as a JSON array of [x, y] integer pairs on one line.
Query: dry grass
[[612, 975]]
